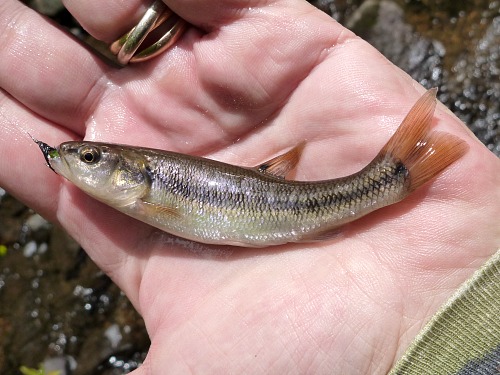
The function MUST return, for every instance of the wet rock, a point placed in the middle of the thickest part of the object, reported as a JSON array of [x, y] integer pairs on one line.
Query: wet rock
[[35, 222], [29, 249], [383, 24], [63, 365], [451, 45], [64, 305], [477, 82], [340, 10], [113, 335]]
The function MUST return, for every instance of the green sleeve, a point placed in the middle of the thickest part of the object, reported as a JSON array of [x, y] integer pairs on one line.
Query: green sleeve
[[464, 335]]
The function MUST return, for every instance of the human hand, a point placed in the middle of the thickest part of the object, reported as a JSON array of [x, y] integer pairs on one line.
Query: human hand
[[249, 83]]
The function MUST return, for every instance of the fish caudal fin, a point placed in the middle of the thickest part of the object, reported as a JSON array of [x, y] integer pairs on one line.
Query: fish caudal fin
[[424, 154]]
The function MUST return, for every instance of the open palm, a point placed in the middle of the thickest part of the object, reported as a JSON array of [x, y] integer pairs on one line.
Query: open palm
[[251, 81]]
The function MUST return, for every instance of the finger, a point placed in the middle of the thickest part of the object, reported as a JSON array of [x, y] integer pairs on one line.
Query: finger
[[46, 69], [211, 15], [107, 20]]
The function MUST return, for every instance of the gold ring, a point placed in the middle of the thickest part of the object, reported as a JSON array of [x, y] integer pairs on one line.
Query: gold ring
[[157, 14]]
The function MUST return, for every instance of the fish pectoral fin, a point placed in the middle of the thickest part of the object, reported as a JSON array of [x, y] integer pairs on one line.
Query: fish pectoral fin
[[153, 209], [280, 165]]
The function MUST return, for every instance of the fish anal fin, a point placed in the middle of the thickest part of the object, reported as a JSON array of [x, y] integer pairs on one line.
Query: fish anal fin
[[153, 209], [325, 235], [281, 165]]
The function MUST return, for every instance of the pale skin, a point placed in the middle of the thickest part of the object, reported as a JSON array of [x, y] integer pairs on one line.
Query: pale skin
[[255, 78]]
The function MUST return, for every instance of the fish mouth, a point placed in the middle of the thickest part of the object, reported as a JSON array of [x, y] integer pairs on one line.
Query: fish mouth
[[49, 152]]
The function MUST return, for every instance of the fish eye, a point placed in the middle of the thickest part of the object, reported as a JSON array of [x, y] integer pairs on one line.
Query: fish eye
[[90, 155]]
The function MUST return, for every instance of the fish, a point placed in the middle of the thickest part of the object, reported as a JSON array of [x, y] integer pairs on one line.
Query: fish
[[213, 202]]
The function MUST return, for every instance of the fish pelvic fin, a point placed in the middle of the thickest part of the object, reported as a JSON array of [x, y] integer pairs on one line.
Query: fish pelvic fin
[[281, 165], [423, 153], [155, 210]]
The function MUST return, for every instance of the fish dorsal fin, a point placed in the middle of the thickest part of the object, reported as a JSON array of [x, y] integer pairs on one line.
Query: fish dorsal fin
[[280, 165]]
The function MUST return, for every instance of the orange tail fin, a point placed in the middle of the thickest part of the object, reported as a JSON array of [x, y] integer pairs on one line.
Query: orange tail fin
[[424, 154]]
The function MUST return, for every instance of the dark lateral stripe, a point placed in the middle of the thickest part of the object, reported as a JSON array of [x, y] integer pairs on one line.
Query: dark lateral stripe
[[310, 198]]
